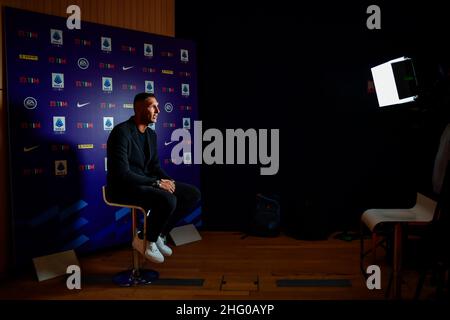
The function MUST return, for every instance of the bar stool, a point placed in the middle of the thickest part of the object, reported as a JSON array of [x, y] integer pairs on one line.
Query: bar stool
[[421, 214], [137, 275]]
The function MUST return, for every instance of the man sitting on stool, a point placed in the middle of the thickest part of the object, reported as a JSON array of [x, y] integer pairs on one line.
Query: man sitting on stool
[[136, 177]]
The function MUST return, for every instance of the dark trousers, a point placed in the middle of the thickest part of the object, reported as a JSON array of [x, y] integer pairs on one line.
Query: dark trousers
[[166, 208]]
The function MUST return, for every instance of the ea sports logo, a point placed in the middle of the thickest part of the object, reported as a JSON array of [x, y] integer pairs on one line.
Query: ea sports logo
[[83, 63], [168, 107], [30, 103]]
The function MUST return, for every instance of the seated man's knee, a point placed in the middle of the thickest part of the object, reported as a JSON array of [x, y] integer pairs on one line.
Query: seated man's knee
[[169, 202]]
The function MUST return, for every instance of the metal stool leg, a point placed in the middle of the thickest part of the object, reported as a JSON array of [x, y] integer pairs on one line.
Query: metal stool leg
[[137, 275]]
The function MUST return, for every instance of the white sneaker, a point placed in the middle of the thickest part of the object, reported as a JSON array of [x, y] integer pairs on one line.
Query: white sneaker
[[153, 254], [163, 247], [149, 250]]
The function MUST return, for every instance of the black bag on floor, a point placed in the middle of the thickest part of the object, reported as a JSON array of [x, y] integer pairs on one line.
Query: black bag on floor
[[265, 221]]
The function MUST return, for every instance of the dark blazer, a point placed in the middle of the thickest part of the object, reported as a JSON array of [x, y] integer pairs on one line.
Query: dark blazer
[[126, 167]]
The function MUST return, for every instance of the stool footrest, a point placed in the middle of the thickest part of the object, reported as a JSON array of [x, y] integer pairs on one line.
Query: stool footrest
[[133, 277]]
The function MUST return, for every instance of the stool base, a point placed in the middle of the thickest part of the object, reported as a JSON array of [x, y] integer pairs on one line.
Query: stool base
[[129, 278]]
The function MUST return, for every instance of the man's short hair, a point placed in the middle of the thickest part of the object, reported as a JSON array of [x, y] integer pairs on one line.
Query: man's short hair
[[141, 97]]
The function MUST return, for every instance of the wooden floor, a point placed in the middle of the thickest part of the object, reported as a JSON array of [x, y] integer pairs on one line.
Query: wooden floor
[[232, 267]]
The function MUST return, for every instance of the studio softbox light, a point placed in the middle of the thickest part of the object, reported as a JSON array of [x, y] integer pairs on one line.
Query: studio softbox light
[[395, 82]]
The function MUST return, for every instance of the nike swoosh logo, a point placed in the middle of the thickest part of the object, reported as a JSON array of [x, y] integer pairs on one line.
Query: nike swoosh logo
[[127, 68], [167, 143], [25, 149], [79, 105]]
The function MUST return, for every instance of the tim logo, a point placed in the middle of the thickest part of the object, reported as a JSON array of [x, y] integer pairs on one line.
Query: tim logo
[[108, 66], [60, 147], [166, 54], [106, 44], [30, 125], [56, 60], [59, 124], [149, 87], [28, 80], [82, 42], [108, 123], [107, 84], [184, 55], [56, 37], [27, 34], [185, 90], [33, 171], [169, 125], [62, 104], [107, 105], [128, 49], [83, 84], [148, 50], [85, 125], [168, 90], [129, 87], [148, 70], [86, 167], [185, 108], [185, 74], [57, 80], [61, 168]]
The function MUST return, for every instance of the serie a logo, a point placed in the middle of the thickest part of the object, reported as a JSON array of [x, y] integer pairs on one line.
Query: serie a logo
[[108, 123], [149, 86], [56, 37], [185, 90], [58, 80], [59, 124], [184, 55], [106, 44], [107, 84], [148, 50], [60, 167]]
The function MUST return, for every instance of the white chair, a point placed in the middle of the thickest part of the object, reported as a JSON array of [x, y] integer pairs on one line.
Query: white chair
[[422, 213], [137, 275]]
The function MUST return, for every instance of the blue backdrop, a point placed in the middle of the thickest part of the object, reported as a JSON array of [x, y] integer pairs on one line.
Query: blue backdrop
[[66, 89]]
